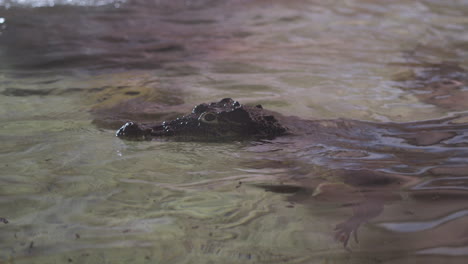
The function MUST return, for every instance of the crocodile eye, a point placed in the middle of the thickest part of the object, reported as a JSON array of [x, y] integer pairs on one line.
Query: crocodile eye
[[209, 117]]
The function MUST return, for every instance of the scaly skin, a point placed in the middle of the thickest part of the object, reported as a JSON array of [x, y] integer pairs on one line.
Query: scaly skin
[[225, 120]]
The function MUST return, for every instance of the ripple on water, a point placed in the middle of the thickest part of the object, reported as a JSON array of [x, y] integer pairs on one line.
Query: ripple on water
[[73, 192]]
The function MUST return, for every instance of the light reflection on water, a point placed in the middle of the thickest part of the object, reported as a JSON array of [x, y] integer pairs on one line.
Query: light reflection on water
[[72, 192], [421, 226]]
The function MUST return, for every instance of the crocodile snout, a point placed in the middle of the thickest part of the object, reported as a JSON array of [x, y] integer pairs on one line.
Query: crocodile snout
[[131, 130]]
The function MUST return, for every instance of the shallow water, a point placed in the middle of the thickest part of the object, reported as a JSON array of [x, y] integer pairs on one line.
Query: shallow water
[[71, 72]]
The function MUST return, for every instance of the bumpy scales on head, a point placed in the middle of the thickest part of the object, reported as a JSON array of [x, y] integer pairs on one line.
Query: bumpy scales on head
[[217, 121]]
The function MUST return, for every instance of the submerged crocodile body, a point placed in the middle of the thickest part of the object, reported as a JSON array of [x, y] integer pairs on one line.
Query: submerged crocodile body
[[369, 163]]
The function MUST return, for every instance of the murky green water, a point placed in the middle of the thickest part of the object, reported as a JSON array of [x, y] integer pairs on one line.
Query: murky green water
[[73, 72]]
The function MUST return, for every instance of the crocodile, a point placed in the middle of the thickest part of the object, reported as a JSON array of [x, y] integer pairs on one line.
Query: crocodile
[[228, 120], [218, 121], [367, 164]]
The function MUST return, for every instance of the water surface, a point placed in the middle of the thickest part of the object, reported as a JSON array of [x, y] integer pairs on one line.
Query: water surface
[[71, 72]]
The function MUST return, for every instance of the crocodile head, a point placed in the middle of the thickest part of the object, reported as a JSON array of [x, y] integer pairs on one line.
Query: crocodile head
[[218, 121]]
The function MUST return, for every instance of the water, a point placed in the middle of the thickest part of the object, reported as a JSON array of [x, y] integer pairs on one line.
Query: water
[[71, 72]]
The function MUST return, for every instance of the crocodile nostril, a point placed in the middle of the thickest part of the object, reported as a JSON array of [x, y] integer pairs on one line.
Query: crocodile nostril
[[128, 129]]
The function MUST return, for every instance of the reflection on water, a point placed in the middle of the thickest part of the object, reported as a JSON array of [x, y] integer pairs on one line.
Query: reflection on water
[[421, 226], [73, 71], [444, 85]]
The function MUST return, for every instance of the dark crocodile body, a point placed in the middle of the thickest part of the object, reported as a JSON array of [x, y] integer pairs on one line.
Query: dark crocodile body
[[222, 121]]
